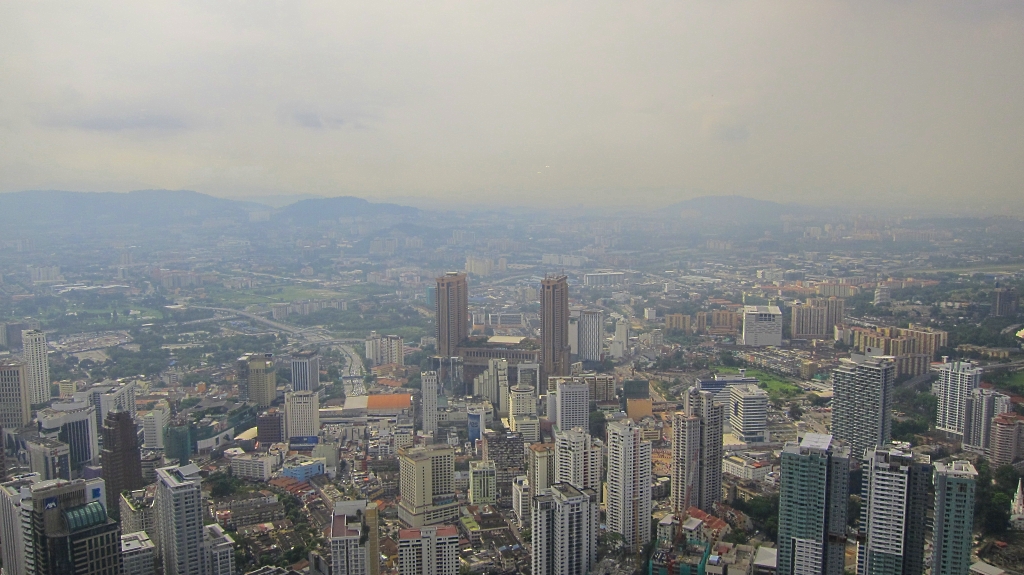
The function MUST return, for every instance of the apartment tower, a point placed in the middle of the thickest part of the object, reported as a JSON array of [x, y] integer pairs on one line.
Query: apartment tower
[[696, 453], [953, 517], [862, 402], [179, 510], [564, 523], [957, 380], [37, 365], [629, 485]]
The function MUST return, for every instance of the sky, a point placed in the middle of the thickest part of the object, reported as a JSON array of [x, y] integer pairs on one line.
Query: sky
[[590, 103]]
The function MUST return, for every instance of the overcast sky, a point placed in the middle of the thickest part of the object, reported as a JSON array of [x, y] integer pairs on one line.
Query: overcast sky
[[605, 103]]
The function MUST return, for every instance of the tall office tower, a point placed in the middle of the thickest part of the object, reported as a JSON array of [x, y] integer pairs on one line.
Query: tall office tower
[[270, 426], [697, 453], [451, 313], [138, 554], [121, 459], [69, 532], [523, 413], [572, 405], [590, 334], [817, 318], [507, 452], [428, 550], [980, 409], [762, 325], [482, 482], [862, 401], [15, 411], [957, 379], [813, 503], [554, 325], [428, 391], [748, 413], [218, 551], [529, 374], [578, 458], [179, 510], [953, 517], [351, 552], [385, 349], [16, 524], [564, 530], [302, 414], [426, 481], [1004, 302], [306, 370], [629, 484], [541, 466], [153, 424], [37, 366], [73, 423], [256, 371], [896, 496], [107, 398]]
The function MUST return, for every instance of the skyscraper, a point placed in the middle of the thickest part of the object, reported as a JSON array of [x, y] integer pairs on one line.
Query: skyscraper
[[14, 396], [813, 503], [428, 551], [351, 552], [578, 458], [554, 325], [16, 524], [590, 334], [816, 319], [541, 466], [74, 423], [71, 533], [37, 366], [302, 414], [953, 517], [1004, 302], [507, 452], [748, 413], [257, 374], [862, 401], [179, 509], [451, 312], [427, 485], [523, 412], [696, 453], [428, 393], [957, 379], [629, 484], [895, 490], [153, 424], [121, 458], [305, 370], [385, 349], [564, 523], [572, 404], [982, 406]]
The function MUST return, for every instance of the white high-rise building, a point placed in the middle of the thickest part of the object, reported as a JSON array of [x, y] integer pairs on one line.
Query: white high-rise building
[[590, 333], [629, 484], [492, 384], [302, 414], [957, 379], [762, 325], [564, 522], [748, 413], [428, 391], [138, 554], [523, 413], [428, 551], [385, 349], [982, 406], [578, 459], [862, 401], [74, 423], [15, 410], [573, 405], [218, 551], [179, 508], [305, 371], [620, 341], [37, 366], [696, 453], [16, 524], [351, 552], [119, 396], [153, 424], [521, 500]]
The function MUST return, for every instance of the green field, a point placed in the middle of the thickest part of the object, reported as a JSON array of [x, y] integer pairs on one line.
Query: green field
[[776, 385], [284, 294], [1012, 382]]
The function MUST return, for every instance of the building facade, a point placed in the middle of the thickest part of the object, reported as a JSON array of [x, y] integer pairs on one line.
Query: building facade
[[696, 453], [302, 414], [427, 485], [428, 551], [305, 370], [862, 401], [15, 410], [37, 365], [982, 406], [953, 523], [259, 376], [762, 325], [121, 459], [748, 413], [629, 485], [578, 459], [957, 381], [564, 523], [179, 510], [451, 313], [554, 329]]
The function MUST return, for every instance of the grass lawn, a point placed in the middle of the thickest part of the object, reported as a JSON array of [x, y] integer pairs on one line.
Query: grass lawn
[[1012, 382], [776, 385], [264, 295]]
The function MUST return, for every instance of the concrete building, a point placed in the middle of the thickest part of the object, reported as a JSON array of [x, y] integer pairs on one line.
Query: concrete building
[[179, 510], [813, 503], [482, 483], [817, 318], [696, 453], [1007, 439], [619, 346], [523, 413], [564, 524], [50, 458], [590, 335], [492, 384], [428, 389], [428, 550], [957, 380], [451, 313], [426, 483], [541, 466], [385, 349], [138, 554], [748, 413], [121, 459], [305, 370], [302, 414], [354, 539], [119, 396], [153, 423], [270, 427], [1004, 302], [73, 423], [554, 329], [138, 513], [862, 401], [896, 500], [68, 531], [16, 524], [762, 325], [15, 410], [37, 366], [981, 407], [571, 405], [508, 454], [953, 523], [578, 459], [218, 551], [252, 466], [629, 485], [256, 372], [303, 469]]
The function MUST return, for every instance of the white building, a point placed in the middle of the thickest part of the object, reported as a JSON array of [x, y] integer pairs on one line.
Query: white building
[[302, 414], [957, 379], [762, 325], [385, 349], [590, 335], [572, 405], [16, 524], [862, 401], [37, 366], [578, 458], [153, 424], [895, 493], [428, 393], [15, 410], [428, 551], [981, 407], [252, 466], [179, 508], [523, 413], [492, 384], [748, 413], [521, 500], [73, 423], [619, 346], [350, 553], [138, 554], [696, 453], [305, 371], [107, 397], [219, 551], [564, 523], [629, 484]]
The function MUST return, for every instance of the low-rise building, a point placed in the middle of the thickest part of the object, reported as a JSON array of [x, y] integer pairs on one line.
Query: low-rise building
[[252, 466]]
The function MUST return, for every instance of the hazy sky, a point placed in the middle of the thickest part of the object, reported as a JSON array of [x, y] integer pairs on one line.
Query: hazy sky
[[613, 103]]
